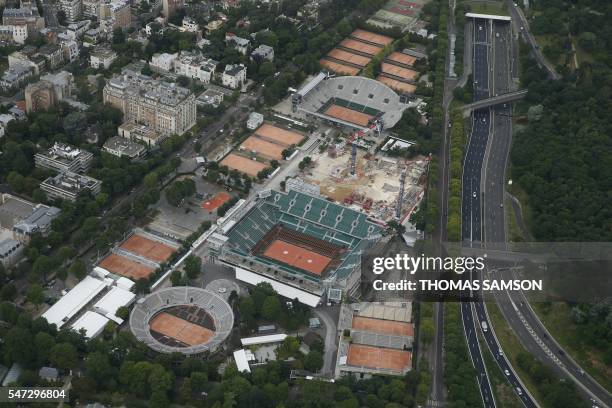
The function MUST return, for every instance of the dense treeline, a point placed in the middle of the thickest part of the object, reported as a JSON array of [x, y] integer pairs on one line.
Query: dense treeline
[[459, 373], [563, 157], [555, 392]]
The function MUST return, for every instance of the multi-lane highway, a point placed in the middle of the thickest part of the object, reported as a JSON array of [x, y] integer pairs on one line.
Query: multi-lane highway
[[514, 306], [471, 177]]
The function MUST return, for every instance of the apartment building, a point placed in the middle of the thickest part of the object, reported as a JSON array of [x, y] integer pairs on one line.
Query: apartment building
[[164, 107]]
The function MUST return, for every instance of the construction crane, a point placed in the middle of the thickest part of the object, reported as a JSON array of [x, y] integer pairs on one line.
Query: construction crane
[[400, 197], [374, 124]]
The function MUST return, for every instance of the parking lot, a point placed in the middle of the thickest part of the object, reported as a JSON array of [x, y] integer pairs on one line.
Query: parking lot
[[180, 222]]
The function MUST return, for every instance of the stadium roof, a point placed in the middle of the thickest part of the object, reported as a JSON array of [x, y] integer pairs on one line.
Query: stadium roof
[[92, 322], [241, 361], [282, 289], [271, 338], [112, 301], [71, 303]]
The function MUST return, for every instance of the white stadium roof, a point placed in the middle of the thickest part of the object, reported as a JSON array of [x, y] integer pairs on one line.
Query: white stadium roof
[[92, 322], [72, 302], [112, 301], [281, 288]]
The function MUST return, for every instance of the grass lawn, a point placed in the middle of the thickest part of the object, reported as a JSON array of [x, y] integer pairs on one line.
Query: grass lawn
[[522, 196], [511, 346], [556, 318], [581, 55], [504, 394], [514, 232]]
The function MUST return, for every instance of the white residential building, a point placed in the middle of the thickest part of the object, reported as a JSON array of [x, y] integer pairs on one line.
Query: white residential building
[[16, 33], [163, 62], [255, 120], [234, 76], [102, 58], [195, 66]]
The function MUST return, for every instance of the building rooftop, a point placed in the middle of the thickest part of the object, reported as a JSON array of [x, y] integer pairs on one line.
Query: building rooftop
[[103, 52], [135, 83], [15, 72], [64, 152], [124, 146], [8, 244], [263, 49], [71, 182], [20, 12], [234, 70], [191, 58], [48, 372], [40, 218]]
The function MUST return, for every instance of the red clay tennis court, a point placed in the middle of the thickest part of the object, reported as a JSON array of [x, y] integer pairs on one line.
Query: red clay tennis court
[[377, 357], [360, 46], [217, 201], [371, 37], [279, 135], [123, 266], [349, 57], [148, 248], [402, 58], [263, 148], [396, 85], [348, 115], [297, 257], [398, 71], [179, 329], [339, 68], [243, 164], [383, 326]]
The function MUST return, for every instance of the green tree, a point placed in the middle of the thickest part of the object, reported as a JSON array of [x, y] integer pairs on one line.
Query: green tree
[[313, 361], [271, 308], [193, 266], [35, 295], [78, 269], [63, 356]]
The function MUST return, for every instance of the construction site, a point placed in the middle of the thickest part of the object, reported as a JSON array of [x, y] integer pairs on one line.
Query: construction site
[[368, 181]]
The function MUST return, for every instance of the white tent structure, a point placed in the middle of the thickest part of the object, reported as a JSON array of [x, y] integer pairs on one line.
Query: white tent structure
[[92, 322], [271, 338], [71, 303], [113, 300], [242, 361]]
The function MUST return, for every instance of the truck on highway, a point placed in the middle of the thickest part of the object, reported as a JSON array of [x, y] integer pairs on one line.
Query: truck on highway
[[484, 325]]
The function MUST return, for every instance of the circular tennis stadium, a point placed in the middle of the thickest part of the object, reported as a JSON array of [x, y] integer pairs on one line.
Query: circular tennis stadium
[[182, 319]]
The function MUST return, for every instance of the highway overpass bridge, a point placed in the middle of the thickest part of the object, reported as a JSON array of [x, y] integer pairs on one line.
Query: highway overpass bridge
[[492, 101]]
